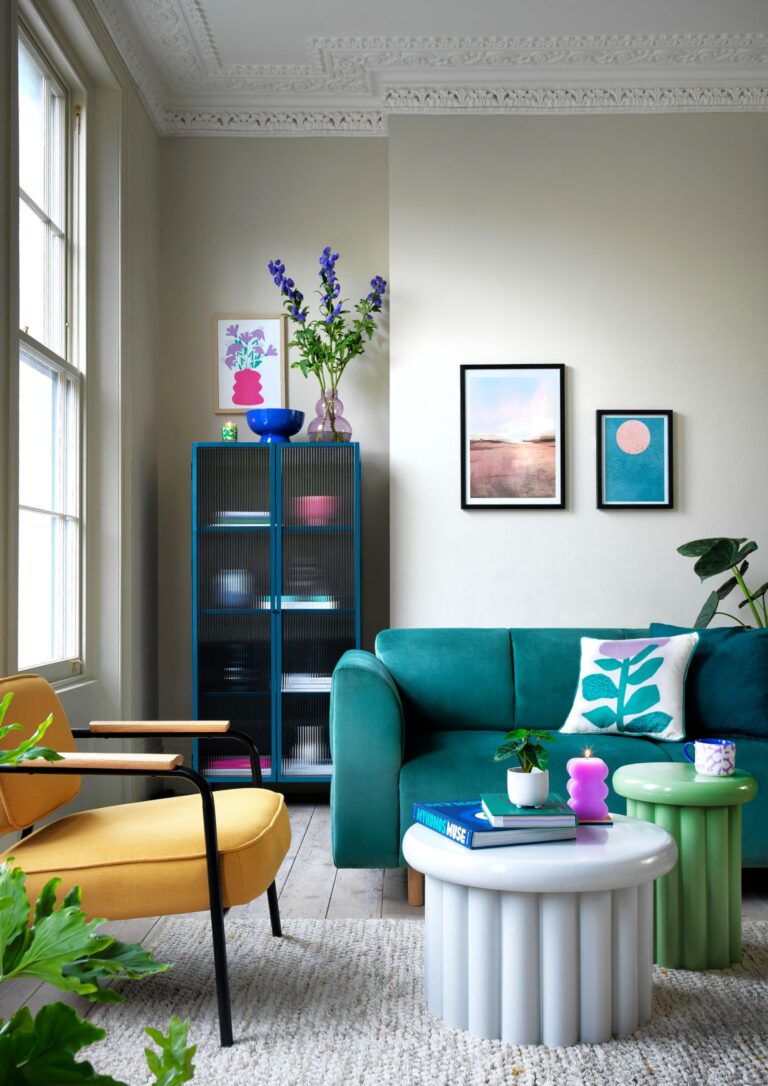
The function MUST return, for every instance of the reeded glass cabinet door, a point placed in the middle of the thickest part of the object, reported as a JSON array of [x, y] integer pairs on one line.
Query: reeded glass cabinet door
[[317, 601], [233, 602]]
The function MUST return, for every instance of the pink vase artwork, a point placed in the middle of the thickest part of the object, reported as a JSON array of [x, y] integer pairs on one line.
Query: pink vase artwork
[[247, 388]]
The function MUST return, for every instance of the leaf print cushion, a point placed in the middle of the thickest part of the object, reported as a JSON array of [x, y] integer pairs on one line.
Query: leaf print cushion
[[633, 687]]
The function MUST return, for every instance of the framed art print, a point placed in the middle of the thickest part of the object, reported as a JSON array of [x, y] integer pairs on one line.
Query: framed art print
[[250, 363], [634, 459], [512, 437]]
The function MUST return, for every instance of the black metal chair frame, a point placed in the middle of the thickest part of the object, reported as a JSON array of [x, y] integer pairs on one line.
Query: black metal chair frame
[[216, 905]]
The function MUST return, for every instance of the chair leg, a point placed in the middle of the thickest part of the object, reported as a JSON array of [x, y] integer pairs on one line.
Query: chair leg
[[415, 889], [274, 911], [217, 918]]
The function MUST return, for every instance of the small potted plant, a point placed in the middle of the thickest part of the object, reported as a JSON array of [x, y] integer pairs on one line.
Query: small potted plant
[[528, 783]]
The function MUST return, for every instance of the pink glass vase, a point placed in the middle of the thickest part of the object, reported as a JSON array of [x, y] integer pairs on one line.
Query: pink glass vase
[[330, 424]]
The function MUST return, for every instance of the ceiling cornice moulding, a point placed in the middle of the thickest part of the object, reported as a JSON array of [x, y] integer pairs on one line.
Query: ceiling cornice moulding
[[348, 86]]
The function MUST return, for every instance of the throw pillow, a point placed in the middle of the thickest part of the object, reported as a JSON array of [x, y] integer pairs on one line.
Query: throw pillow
[[632, 687], [726, 690]]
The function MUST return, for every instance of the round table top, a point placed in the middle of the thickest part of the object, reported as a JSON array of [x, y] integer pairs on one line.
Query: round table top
[[628, 853], [679, 784]]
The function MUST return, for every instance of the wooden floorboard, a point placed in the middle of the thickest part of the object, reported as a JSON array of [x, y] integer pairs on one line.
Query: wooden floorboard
[[309, 885], [356, 894]]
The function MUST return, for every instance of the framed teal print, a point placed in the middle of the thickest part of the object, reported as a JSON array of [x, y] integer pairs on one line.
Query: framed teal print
[[634, 460]]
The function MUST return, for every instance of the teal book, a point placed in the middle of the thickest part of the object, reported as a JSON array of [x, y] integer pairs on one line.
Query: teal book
[[505, 815], [466, 823]]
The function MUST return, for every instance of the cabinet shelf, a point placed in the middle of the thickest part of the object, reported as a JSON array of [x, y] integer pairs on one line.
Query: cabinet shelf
[[276, 600]]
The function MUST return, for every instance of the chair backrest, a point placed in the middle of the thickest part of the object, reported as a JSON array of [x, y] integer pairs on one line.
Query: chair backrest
[[25, 799]]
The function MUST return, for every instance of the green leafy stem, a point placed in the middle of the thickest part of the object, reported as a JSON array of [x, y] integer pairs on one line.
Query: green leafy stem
[[719, 555]]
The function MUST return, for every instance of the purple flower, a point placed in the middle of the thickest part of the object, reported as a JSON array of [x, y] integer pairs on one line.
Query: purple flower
[[232, 330], [270, 351], [246, 337], [625, 650], [259, 334]]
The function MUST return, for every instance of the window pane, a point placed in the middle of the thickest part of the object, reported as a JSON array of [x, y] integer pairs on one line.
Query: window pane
[[48, 589], [32, 100], [32, 262], [37, 604], [37, 428]]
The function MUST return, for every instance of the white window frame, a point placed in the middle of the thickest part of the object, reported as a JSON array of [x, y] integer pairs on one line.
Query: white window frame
[[68, 367]]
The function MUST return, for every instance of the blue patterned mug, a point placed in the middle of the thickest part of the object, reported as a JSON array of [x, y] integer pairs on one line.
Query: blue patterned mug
[[712, 757]]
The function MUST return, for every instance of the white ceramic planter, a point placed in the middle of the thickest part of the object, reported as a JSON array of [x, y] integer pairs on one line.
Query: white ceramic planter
[[528, 789]]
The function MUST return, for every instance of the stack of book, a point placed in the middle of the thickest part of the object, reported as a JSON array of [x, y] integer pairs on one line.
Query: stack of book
[[494, 821]]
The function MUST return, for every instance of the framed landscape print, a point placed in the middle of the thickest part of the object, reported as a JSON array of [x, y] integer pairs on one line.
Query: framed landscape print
[[250, 363], [634, 459], [512, 437]]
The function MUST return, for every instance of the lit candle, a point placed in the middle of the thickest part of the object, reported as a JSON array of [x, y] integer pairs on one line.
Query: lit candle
[[587, 788]]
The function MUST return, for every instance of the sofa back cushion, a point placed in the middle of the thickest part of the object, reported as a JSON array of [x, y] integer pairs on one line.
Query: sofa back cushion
[[726, 688], [452, 679], [545, 665]]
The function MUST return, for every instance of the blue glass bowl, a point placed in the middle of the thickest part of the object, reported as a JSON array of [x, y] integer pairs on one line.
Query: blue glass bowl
[[275, 424]]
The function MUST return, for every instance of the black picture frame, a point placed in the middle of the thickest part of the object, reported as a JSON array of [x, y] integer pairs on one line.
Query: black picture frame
[[619, 475], [533, 448]]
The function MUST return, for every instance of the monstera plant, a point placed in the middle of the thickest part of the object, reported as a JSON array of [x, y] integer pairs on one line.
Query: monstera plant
[[722, 555]]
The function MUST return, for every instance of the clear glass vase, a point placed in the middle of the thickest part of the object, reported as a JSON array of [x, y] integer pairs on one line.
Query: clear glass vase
[[330, 424]]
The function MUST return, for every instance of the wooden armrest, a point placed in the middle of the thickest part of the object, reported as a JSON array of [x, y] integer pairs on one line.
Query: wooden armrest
[[158, 727], [149, 762]]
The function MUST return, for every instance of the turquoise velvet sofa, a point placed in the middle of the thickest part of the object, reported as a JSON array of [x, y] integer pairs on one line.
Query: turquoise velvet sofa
[[421, 719]]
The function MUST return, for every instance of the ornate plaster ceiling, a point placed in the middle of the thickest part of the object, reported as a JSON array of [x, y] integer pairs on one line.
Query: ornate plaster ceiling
[[238, 67]]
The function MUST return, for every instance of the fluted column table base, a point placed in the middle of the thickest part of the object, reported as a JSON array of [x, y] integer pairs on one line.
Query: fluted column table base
[[542, 944], [527, 968]]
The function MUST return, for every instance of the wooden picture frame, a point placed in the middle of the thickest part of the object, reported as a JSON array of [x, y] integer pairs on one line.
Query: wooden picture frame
[[513, 436], [635, 459], [255, 347]]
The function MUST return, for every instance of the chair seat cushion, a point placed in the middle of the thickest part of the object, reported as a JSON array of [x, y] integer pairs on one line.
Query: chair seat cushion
[[148, 859]]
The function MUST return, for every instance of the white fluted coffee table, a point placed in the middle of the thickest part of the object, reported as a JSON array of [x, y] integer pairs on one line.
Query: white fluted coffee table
[[542, 944]]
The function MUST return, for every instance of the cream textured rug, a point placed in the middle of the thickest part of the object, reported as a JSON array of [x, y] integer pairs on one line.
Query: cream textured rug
[[340, 1001]]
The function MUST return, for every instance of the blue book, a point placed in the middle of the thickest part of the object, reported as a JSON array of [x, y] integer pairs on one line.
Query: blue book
[[465, 822]]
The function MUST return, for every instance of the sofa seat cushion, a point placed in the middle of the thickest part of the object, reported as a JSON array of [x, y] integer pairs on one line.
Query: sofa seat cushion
[[148, 859], [451, 679], [459, 765]]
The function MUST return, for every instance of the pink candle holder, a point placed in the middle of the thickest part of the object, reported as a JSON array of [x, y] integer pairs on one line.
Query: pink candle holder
[[587, 788]]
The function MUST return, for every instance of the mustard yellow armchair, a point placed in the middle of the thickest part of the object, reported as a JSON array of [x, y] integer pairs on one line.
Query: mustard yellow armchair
[[154, 858]]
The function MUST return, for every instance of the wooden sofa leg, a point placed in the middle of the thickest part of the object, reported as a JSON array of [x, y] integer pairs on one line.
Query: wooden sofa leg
[[415, 888]]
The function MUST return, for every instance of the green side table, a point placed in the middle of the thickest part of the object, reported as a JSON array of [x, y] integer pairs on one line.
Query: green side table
[[698, 904]]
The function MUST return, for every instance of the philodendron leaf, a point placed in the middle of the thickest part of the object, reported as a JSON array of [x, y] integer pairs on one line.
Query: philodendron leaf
[[708, 611], [126, 961], [506, 750], [756, 595], [42, 1050], [748, 548], [643, 699], [698, 547], [174, 1064], [595, 687], [646, 671], [649, 722], [721, 557], [14, 916], [602, 717]]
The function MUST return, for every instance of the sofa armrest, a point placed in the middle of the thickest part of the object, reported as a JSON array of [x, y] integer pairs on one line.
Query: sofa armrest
[[367, 740]]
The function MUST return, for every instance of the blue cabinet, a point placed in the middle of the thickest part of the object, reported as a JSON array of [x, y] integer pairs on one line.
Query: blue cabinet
[[275, 598]]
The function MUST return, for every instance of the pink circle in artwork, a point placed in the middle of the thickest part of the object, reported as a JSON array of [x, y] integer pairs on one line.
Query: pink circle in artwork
[[633, 437]]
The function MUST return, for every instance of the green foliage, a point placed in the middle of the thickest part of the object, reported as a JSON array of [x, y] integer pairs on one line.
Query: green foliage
[[61, 946], [174, 1064], [42, 1049], [715, 556], [527, 745], [28, 748]]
